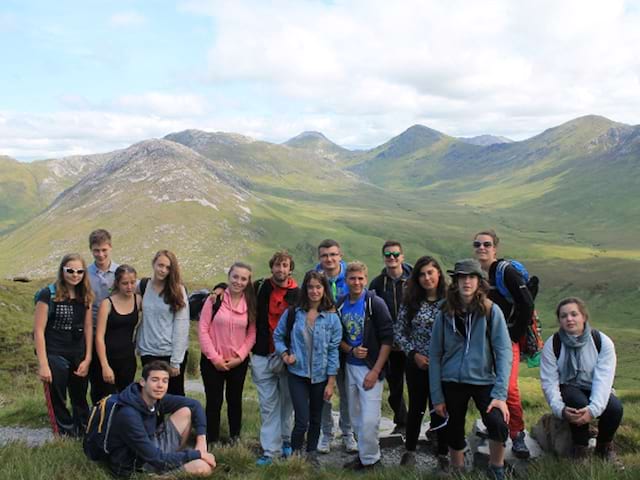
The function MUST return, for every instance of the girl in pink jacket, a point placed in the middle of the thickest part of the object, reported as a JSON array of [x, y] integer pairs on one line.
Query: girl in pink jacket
[[227, 332]]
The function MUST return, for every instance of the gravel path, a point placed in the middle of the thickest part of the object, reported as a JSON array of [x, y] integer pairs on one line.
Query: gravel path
[[33, 437]]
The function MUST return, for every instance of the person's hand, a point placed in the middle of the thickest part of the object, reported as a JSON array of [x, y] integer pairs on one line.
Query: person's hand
[[209, 458], [108, 375], [422, 361], [584, 416], [500, 405], [233, 362], [44, 373], [174, 372], [370, 380], [83, 368], [360, 352], [441, 409], [221, 366], [216, 293], [570, 414], [289, 358], [328, 392]]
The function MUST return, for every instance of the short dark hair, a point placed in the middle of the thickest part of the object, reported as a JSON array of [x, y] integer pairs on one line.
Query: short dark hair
[[328, 243], [391, 243], [153, 366], [281, 255], [491, 233], [98, 237]]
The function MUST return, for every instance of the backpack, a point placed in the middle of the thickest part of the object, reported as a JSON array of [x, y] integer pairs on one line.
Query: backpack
[[557, 343], [96, 435], [197, 299], [531, 342], [52, 294]]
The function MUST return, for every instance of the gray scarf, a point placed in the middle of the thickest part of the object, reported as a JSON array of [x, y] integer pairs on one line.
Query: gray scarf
[[572, 346]]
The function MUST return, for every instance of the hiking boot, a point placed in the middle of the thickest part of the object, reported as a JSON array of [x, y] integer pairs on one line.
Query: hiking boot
[[286, 449], [443, 462], [264, 461], [324, 444], [519, 447], [408, 459], [374, 466], [355, 465], [312, 459], [350, 444], [495, 472], [399, 430], [607, 452]]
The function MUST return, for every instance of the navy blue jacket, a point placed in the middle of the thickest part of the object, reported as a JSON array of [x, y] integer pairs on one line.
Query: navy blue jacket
[[130, 442]]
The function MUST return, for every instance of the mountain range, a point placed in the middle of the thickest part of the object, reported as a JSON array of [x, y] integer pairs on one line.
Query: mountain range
[[568, 194]]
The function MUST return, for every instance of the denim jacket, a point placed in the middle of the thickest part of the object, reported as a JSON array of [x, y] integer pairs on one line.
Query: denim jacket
[[327, 334]]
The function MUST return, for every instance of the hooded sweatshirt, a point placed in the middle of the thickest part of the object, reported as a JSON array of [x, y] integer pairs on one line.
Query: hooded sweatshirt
[[338, 283], [229, 334], [131, 439], [391, 289]]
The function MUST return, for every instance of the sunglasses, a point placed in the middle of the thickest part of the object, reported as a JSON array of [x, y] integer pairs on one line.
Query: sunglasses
[[442, 425], [477, 244], [71, 271], [392, 254]]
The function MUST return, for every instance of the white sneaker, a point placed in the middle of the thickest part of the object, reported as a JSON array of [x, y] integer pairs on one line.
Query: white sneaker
[[350, 443], [324, 444]]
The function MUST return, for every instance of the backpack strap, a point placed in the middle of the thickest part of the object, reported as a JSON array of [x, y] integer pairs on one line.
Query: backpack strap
[[216, 306], [501, 267], [143, 285], [595, 335], [291, 318]]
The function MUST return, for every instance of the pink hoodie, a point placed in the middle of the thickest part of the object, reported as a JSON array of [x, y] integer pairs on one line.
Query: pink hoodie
[[229, 334]]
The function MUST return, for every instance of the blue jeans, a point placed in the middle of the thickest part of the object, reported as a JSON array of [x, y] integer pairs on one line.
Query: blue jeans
[[307, 399], [345, 419], [276, 409]]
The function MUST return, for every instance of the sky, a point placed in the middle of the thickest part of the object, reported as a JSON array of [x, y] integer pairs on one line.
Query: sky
[[87, 76]]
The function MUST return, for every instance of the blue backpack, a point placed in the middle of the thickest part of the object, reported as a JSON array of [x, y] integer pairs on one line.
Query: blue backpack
[[96, 435]]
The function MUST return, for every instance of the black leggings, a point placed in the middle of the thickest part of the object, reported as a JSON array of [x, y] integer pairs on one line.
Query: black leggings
[[214, 389], [456, 397], [124, 371], [176, 384], [418, 386], [608, 422], [65, 381], [395, 379]]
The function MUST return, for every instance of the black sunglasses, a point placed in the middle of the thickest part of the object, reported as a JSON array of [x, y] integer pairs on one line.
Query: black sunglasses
[[392, 254], [477, 244], [71, 271]]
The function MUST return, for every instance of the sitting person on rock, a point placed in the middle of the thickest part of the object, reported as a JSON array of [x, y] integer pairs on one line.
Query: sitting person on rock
[[577, 369]]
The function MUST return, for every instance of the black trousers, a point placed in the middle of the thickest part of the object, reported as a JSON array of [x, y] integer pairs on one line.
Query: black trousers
[[63, 381], [214, 390], [608, 422], [307, 400], [395, 378], [124, 370], [176, 384], [418, 386], [456, 397]]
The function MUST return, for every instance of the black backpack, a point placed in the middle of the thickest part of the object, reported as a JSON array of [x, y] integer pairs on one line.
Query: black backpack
[[96, 435], [557, 343]]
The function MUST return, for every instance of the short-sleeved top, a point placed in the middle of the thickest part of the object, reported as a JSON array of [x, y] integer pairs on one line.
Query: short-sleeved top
[[353, 323], [64, 333], [101, 284], [118, 337]]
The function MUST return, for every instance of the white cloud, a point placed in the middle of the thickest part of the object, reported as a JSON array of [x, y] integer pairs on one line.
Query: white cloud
[[127, 19], [163, 104]]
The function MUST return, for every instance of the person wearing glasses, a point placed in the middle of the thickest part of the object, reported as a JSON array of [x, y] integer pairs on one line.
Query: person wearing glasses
[[335, 268], [470, 357], [518, 313], [423, 297], [63, 337], [389, 285]]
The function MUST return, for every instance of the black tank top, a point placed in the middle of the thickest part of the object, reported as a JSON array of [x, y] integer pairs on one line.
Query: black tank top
[[118, 337]]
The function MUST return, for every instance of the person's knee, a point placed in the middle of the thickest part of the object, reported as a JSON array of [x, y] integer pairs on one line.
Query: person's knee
[[497, 429]]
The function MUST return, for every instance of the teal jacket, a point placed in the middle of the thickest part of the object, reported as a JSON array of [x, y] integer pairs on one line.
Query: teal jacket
[[477, 353]]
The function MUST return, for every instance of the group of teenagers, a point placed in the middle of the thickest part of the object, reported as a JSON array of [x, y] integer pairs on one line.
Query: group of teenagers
[[451, 340]]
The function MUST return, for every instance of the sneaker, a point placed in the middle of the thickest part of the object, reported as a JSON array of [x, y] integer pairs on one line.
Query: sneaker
[[399, 430], [324, 444], [408, 459], [264, 461], [312, 459], [374, 466], [354, 464], [286, 449], [495, 473], [443, 462], [519, 448], [349, 442]]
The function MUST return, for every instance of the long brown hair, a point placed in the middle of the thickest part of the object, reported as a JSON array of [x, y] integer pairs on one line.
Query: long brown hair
[[414, 294], [172, 289], [82, 290], [479, 304], [249, 292], [326, 303]]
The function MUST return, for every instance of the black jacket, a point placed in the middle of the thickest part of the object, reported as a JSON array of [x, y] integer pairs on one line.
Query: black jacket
[[391, 291], [378, 327], [134, 426], [263, 288], [517, 314]]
